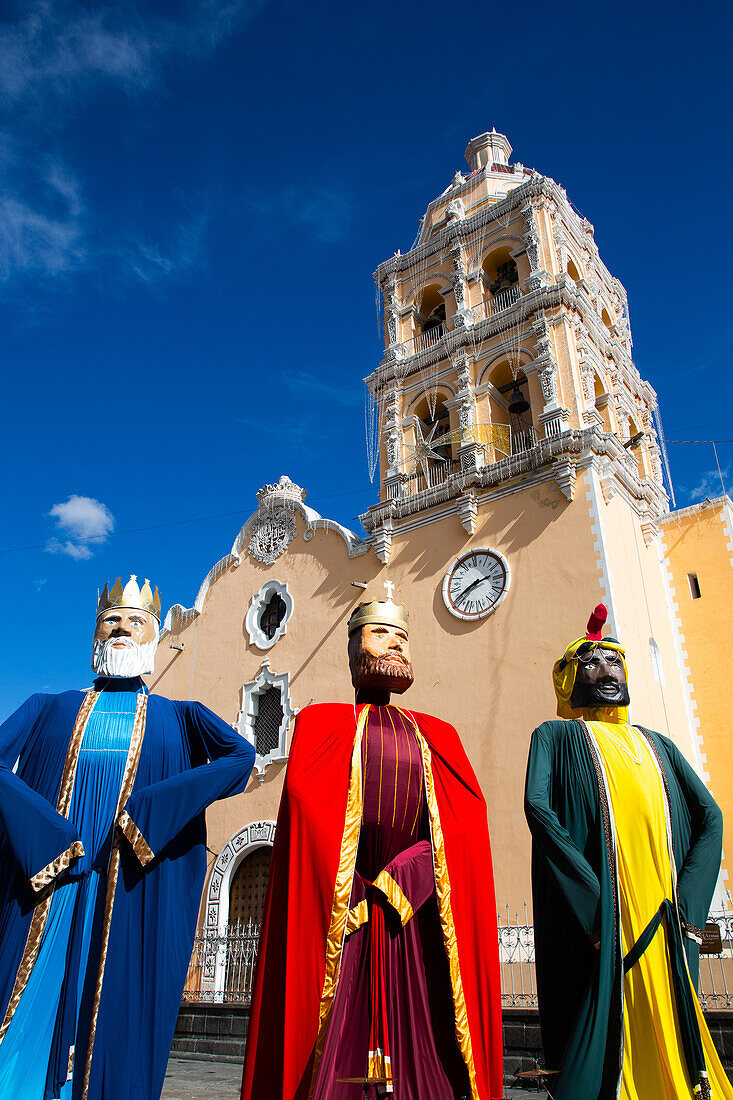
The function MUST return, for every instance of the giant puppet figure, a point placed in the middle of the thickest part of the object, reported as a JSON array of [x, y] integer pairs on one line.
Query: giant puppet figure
[[102, 860], [378, 968], [625, 855]]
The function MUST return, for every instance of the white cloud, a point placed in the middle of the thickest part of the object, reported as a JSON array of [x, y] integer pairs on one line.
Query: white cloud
[[305, 382], [710, 485], [151, 263], [82, 523], [54, 57], [323, 211], [43, 233], [58, 46]]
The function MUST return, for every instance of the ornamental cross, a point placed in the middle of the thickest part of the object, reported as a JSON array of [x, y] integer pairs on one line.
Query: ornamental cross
[[390, 590]]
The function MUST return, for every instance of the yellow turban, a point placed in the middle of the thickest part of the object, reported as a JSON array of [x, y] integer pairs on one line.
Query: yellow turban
[[564, 672]]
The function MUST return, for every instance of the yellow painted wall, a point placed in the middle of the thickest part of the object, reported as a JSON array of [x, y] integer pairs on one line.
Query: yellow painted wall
[[491, 679], [701, 541]]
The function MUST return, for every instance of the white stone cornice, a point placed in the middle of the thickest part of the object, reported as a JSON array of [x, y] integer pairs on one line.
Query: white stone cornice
[[564, 454]]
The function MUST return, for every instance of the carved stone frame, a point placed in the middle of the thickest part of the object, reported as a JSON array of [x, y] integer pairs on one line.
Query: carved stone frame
[[260, 600], [258, 834], [264, 680]]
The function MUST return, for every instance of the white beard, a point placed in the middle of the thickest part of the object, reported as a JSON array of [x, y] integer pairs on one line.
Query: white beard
[[111, 660]]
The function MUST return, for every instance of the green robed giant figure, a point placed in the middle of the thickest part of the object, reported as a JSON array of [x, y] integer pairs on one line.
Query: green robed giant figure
[[625, 855]]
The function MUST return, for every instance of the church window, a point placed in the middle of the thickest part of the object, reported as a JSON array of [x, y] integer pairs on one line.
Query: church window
[[431, 315], [266, 714], [501, 275], [273, 615], [436, 318], [269, 614], [573, 272], [507, 276], [510, 405], [439, 418], [268, 721]]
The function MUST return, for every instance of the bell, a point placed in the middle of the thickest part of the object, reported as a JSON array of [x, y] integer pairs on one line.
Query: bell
[[518, 404]]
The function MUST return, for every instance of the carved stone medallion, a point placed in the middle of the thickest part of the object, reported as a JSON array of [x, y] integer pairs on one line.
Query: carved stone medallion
[[271, 534]]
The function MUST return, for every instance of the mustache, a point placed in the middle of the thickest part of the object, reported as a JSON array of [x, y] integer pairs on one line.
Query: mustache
[[394, 663]]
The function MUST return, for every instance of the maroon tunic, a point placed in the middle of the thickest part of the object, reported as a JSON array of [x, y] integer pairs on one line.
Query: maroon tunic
[[403, 967]]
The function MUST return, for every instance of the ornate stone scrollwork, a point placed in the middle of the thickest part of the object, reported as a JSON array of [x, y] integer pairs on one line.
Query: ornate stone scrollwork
[[531, 237], [458, 276], [391, 307], [393, 444], [455, 210], [588, 382], [543, 345], [274, 528], [467, 414], [548, 381], [271, 534]]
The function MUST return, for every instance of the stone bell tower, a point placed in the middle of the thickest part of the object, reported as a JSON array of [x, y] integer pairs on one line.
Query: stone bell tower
[[507, 353]]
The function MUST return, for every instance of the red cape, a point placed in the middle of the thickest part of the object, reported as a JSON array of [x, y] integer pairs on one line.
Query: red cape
[[300, 905]]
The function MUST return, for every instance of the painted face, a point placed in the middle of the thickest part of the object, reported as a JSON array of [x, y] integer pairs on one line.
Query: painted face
[[125, 642], [600, 680], [379, 657], [126, 622]]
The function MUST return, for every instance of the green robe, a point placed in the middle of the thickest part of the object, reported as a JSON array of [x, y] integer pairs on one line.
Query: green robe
[[575, 894]]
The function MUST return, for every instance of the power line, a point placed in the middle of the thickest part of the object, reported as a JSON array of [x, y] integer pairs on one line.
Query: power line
[[171, 523], [241, 511]]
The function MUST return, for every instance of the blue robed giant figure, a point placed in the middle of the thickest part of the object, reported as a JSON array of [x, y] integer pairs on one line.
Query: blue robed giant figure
[[102, 861]]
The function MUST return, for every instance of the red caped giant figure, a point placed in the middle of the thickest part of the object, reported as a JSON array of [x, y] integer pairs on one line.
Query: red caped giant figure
[[378, 970]]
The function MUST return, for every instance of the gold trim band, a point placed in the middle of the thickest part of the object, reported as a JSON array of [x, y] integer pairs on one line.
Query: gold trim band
[[51, 870], [40, 915], [443, 889], [140, 846], [341, 894], [394, 896], [128, 779], [358, 916]]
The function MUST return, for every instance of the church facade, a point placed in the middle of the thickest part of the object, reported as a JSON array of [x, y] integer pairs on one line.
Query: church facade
[[520, 484]]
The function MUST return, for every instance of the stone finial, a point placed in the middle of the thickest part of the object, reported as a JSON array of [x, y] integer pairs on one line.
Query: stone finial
[[284, 490], [489, 148]]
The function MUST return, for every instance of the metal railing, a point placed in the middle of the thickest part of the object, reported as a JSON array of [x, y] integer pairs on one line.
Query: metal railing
[[430, 478], [516, 960], [489, 307], [517, 963], [507, 442], [222, 965], [716, 971], [422, 340], [496, 303]]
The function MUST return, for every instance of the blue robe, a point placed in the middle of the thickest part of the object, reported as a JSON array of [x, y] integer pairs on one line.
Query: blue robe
[[129, 937]]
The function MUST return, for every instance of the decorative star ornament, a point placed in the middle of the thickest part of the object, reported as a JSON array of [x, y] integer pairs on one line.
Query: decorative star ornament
[[423, 450]]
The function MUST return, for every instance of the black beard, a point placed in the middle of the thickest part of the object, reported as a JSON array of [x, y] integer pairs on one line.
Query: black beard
[[585, 696]]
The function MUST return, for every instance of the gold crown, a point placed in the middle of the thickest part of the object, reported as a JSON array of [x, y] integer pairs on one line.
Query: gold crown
[[129, 596], [379, 612]]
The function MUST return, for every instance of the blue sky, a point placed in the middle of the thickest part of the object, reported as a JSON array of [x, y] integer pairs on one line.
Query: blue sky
[[193, 198]]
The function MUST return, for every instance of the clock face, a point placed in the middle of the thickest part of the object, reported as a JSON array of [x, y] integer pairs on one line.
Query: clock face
[[475, 584]]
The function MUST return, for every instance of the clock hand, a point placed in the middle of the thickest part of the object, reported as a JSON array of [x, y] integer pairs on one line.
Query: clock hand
[[471, 585]]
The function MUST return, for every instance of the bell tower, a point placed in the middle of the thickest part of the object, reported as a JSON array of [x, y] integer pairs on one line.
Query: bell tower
[[508, 357]]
